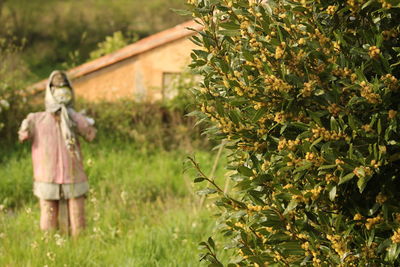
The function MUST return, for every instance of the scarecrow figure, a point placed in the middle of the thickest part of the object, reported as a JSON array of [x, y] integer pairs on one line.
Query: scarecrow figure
[[60, 182]]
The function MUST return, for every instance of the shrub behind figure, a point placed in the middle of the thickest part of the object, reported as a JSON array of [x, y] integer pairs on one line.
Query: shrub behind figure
[[57, 161]]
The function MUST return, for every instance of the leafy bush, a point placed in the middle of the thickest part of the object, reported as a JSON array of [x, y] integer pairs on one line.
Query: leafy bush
[[306, 94], [111, 44], [147, 125], [13, 73]]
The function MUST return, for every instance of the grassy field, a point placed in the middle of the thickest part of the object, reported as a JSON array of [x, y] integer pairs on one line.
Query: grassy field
[[142, 210]]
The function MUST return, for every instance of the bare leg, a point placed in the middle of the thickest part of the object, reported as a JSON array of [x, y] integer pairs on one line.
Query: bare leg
[[76, 208], [48, 214]]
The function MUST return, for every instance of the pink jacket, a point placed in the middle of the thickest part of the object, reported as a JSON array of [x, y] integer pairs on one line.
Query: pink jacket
[[52, 161]]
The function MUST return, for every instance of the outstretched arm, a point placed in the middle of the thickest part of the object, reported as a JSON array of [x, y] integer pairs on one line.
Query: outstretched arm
[[85, 126], [25, 131]]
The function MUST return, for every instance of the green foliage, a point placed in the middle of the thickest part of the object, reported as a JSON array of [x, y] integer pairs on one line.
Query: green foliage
[[146, 125], [306, 95], [111, 44], [13, 74]]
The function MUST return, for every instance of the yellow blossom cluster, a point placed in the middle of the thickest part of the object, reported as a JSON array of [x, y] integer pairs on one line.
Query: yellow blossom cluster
[[338, 244], [299, 198], [293, 160], [278, 257], [336, 46], [322, 39], [308, 88], [247, 146], [265, 165], [243, 254], [339, 161], [369, 251], [304, 3], [207, 109], [363, 171], [240, 225], [391, 82], [314, 158], [358, 217], [355, 4], [385, 4], [256, 208], [289, 144], [297, 59], [327, 135], [381, 198], [280, 50], [274, 83], [288, 186], [345, 73], [280, 117], [315, 192], [367, 128], [307, 195], [371, 222], [258, 105], [388, 34], [368, 93], [396, 236], [305, 246], [334, 109], [374, 164], [331, 10], [374, 52], [331, 178]]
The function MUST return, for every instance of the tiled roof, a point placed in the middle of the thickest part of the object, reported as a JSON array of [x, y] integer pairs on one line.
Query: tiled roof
[[141, 46]]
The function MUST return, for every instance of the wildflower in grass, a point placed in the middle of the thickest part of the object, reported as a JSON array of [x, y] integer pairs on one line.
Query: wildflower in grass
[[51, 255], [60, 241], [89, 162], [96, 216], [124, 196], [34, 245]]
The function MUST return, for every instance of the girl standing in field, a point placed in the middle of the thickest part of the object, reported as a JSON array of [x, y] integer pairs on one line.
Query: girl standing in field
[[59, 177]]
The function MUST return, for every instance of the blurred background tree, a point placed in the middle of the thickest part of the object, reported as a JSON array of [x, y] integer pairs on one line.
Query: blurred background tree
[[51, 33]]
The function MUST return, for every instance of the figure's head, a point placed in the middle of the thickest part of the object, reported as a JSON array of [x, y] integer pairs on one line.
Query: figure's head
[[59, 79], [61, 88]]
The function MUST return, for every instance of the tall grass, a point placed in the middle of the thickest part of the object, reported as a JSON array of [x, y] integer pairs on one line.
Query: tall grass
[[141, 211]]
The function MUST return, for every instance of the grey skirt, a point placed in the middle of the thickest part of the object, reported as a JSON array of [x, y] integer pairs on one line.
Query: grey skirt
[[51, 191]]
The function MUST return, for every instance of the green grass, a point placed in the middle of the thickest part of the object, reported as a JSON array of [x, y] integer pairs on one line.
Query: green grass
[[141, 211]]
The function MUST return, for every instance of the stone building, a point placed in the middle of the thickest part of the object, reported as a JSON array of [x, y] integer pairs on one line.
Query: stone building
[[141, 71]]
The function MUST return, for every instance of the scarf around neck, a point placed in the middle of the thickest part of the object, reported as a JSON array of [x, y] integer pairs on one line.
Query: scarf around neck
[[52, 105]]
